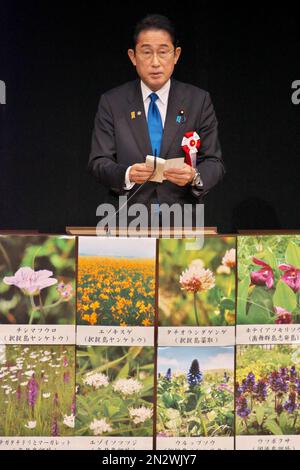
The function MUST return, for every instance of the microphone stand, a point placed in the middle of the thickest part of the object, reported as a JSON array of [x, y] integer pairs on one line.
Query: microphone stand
[[134, 193]]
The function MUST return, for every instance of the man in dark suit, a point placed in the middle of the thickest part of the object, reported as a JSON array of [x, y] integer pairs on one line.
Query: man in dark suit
[[151, 116]]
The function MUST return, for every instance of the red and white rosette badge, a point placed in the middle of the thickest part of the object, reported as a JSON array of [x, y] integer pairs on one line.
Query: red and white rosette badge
[[190, 145]]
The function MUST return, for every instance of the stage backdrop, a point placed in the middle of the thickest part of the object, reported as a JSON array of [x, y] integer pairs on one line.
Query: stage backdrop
[[56, 60]]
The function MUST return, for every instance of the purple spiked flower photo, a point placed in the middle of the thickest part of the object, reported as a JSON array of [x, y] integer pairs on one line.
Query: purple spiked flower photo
[[35, 388], [268, 402], [194, 376], [32, 391]]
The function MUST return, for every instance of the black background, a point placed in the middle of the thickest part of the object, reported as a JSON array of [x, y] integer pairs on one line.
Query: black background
[[58, 57]]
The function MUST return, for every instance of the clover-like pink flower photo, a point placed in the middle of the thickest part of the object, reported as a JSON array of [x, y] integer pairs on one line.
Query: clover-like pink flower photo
[[229, 259], [197, 279]]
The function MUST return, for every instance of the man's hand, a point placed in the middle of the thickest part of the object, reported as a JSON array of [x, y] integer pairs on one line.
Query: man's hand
[[180, 176], [139, 173]]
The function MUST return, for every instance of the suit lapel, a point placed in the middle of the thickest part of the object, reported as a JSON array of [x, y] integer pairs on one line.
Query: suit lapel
[[137, 120], [172, 127]]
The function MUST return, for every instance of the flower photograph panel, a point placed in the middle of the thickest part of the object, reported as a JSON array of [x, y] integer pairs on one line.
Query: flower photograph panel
[[268, 390], [197, 287], [116, 281], [37, 390], [268, 280], [195, 392], [114, 391], [37, 280]]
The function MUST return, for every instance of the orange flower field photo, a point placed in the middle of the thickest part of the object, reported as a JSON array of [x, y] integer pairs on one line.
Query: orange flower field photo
[[116, 282]]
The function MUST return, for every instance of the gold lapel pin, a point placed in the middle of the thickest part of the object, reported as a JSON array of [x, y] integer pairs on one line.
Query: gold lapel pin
[[132, 114]]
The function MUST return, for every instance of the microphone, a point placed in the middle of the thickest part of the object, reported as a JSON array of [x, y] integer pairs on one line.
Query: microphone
[[136, 191]]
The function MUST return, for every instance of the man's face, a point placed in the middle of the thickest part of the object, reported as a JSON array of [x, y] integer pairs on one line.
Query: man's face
[[154, 57]]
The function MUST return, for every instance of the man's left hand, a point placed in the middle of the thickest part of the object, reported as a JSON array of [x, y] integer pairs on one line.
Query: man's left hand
[[180, 176]]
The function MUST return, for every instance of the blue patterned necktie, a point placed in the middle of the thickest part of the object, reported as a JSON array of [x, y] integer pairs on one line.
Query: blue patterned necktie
[[155, 125]]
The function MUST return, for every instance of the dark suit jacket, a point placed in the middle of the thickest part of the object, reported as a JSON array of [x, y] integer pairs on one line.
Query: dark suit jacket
[[119, 141]]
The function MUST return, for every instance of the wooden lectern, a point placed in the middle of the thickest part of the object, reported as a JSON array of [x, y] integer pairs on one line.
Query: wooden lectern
[[172, 232], [269, 232]]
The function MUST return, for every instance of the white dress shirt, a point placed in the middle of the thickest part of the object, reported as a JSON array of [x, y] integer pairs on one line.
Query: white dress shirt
[[162, 104]]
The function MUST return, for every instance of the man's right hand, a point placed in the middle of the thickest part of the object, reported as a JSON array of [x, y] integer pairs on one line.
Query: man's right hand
[[140, 172]]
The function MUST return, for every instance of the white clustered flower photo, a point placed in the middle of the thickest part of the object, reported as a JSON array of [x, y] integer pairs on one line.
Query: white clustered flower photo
[[30, 425], [69, 421], [100, 426], [127, 386], [139, 415], [96, 380]]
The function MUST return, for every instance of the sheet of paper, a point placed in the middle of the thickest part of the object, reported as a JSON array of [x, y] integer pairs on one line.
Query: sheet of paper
[[163, 165]]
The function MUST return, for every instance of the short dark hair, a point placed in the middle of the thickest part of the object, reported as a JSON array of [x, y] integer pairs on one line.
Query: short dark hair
[[155, 22]]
